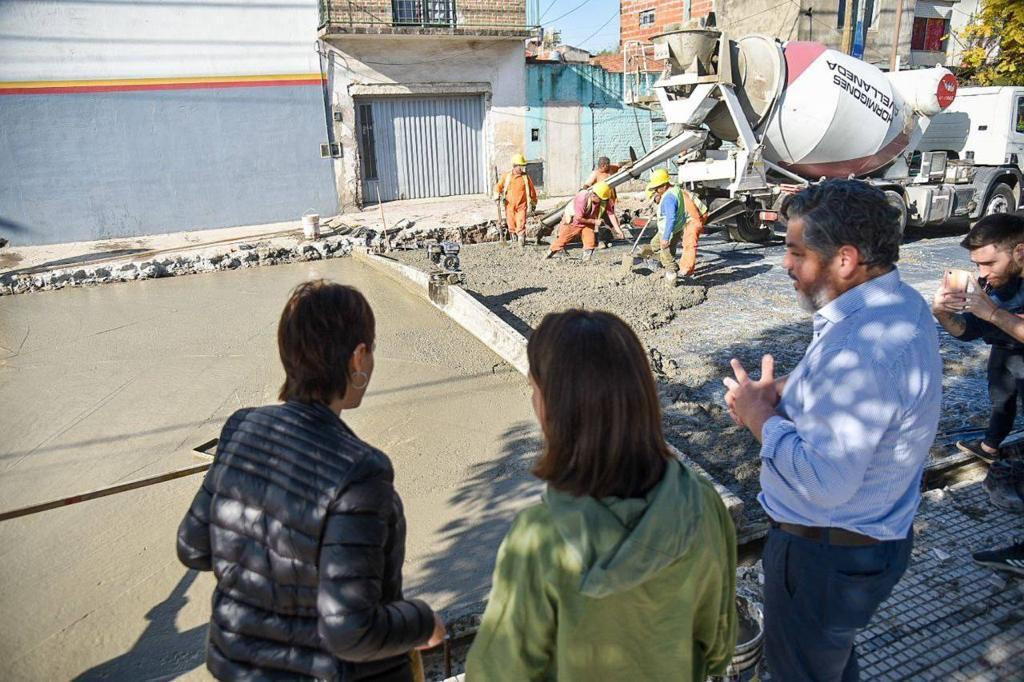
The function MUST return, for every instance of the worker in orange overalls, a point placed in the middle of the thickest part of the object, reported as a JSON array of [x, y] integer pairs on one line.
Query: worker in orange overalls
[[605, 169], [588, 211], [516, 190]]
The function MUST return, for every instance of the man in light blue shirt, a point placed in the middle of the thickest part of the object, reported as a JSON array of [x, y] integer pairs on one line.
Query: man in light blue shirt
[[845, 437]]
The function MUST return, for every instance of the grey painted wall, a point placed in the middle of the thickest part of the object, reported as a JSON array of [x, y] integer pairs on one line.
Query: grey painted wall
[[93, 165]]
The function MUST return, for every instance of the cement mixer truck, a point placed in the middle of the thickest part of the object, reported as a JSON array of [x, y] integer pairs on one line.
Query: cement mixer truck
[[754, 118]]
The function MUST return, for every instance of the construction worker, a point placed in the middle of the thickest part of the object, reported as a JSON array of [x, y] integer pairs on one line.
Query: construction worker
[[589, 208], [680, 217], [515, 189], [605, 170]]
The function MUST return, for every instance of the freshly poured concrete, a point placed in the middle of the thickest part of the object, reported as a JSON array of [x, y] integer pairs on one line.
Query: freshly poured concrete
[[107, 384]]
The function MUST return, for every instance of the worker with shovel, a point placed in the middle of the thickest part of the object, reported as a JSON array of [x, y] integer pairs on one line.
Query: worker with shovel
[[680, 218], [516, 191], [589, 208], [605, 169]]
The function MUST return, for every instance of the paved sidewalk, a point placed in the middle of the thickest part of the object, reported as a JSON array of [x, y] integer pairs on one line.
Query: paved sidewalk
[[949, 618]]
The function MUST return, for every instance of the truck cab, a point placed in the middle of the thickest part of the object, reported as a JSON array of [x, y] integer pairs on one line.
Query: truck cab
[[975, 147]]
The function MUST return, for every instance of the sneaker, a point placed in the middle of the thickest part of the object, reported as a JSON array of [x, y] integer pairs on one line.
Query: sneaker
[[1005, 484], [549, 254], [973, 447], [587, 255], [1006, 559]]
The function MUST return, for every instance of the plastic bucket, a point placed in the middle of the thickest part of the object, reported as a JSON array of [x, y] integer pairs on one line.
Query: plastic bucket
[[749, 643], [311, 225]]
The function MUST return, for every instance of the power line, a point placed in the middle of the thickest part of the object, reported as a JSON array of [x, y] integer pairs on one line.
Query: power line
[[613, 16], [562, 16], [545, 12]]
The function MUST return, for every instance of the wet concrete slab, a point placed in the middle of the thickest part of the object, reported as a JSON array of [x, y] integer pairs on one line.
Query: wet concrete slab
[[106, 384]]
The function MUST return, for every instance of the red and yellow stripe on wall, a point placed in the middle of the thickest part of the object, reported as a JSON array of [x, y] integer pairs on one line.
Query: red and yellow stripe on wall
[[134, 84]]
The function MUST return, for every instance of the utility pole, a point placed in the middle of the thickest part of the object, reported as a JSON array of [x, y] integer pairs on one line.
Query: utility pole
[[848, 27], [894, 55]]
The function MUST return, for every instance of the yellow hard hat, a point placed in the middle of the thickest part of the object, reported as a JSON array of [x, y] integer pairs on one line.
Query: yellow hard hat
[[518, 160], [658, 178], [602, 190]]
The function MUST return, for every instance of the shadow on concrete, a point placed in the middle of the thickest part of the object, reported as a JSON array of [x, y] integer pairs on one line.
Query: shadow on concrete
[[487, 502], [161, 651], [498, 304], [113, 438], [715, 274]]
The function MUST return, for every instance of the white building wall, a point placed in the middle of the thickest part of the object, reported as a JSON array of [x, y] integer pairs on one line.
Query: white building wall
[[57, 40], [127, 118], [397, 65]]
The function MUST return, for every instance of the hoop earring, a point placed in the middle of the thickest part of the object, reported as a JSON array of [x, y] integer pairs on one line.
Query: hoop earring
[[366, 380]]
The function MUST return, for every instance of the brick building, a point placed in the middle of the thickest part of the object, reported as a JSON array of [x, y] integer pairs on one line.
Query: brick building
[[641, 19], [427, 97]]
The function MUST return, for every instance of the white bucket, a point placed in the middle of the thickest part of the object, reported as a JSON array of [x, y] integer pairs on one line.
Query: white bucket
[[311, 225]]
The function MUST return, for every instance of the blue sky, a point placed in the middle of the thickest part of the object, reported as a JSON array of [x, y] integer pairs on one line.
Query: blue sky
[[583, 27]]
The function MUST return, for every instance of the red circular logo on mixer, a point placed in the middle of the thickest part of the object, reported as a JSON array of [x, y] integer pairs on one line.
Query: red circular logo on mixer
[[946, 91]]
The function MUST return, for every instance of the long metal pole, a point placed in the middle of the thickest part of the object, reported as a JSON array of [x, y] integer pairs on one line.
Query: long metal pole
[[104, 492], [848, 27], [894, 56]]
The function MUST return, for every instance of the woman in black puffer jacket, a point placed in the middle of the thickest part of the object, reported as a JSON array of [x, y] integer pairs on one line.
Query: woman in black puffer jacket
[[300, 522]]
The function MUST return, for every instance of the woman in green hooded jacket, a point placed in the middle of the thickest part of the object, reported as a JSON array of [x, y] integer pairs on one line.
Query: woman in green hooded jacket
[[626, 568]]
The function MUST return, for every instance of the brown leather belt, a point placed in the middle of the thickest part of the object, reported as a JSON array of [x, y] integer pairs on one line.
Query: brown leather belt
[[836, 536]]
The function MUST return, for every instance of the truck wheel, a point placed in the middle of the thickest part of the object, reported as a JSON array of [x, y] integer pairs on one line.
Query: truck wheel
[[896, 200], [747, 228], [1000, 200]]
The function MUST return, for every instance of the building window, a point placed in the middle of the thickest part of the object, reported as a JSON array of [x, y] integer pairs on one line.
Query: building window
[[423, 12], [929, 34], [647, 17], [367, 150], [870, 13], [534, 134]]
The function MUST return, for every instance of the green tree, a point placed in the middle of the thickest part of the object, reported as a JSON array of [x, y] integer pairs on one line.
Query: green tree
[[995, 44]]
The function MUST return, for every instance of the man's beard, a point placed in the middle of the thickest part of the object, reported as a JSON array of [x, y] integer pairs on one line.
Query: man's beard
[[817, 298]]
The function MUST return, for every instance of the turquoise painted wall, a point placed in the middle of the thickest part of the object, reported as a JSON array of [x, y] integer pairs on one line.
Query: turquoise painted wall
[[607, 126]]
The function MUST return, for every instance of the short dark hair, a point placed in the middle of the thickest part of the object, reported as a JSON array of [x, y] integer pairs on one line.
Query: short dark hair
[[321, 325], [602, 418], [847, 213], [604, 161], [1005, 230]]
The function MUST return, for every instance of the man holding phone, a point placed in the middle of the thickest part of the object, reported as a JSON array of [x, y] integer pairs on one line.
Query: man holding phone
[[992, 309]]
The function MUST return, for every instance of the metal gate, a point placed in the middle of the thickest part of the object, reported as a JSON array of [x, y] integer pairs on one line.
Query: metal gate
[[415, 147]]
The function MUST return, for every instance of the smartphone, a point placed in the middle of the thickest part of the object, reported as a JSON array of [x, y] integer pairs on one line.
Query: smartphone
[[957, 280]]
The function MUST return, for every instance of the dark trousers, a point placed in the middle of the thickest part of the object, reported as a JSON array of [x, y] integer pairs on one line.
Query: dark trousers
[[817, 596], [1005, 383]]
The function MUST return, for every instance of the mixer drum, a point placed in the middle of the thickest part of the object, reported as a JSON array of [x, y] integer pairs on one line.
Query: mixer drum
[[837, 115]]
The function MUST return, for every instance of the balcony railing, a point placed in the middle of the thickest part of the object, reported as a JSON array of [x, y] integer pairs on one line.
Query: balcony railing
[[424, 17], [423, 12]]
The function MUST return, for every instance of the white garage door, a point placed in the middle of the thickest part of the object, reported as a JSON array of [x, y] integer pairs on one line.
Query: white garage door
[[415, 147]]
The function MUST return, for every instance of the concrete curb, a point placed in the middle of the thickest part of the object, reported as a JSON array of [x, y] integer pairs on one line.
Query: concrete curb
[[508, 344], [460, 306]]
